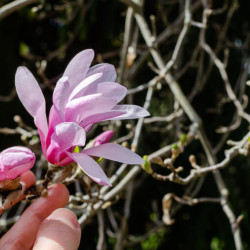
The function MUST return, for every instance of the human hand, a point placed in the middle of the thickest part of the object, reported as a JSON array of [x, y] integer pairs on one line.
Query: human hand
[[45, 224]]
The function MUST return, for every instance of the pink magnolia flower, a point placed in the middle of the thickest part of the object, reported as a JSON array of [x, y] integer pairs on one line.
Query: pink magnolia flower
[[15, 161], [83, 96]]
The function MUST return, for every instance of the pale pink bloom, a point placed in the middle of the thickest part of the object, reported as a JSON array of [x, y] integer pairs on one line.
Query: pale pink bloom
[[15, 161], [83, 96]]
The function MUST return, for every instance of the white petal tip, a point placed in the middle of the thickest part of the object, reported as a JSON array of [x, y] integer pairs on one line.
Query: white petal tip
[[102, 182]]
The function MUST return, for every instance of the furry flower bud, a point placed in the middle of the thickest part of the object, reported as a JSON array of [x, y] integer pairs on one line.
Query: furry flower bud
[[15, 161]]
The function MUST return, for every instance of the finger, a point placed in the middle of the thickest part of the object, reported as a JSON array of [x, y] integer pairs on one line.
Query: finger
[[23, 234], [60, 231], [28, 178]]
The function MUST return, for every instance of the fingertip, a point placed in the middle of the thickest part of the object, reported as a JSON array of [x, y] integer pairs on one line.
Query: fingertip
[[28, 178], [59, 192], [60, 230], [67, 216]]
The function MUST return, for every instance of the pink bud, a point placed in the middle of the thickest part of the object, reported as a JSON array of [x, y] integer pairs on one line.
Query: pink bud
[[103, 137], [15, 161]]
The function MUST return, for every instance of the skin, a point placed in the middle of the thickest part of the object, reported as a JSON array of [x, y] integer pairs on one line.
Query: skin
[[45, 224]]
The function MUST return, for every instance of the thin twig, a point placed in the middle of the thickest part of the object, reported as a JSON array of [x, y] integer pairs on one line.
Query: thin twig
[[174, 86], [14, 6]]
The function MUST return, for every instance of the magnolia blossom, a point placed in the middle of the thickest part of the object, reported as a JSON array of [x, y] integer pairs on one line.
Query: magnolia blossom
[[15, 161], [83, 96]]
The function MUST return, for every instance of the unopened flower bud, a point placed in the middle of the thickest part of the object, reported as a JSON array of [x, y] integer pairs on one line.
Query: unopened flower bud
[[15, 161], [103, 137]]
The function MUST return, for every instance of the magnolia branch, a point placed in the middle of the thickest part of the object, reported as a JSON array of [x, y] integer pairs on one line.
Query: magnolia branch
[[14, 6], [175, 88]]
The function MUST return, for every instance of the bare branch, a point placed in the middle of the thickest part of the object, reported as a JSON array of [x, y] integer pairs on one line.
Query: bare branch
[[14, 6]]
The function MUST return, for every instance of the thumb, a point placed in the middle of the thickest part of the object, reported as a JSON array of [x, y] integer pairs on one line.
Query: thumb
[[59, 231]]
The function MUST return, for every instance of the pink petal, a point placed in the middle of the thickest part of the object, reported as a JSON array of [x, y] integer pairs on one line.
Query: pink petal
[[108, 89], [60, 95], [43, 139], [131, 112], [78, 67], [88, 121], [32, 98], [85, 83], [90, 168], [114, 152], [56, 156], [17, 149], [80, 108], [107, 70], [108, 75], [15, 172], [54, 119], [68, 134], [64, 159]]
